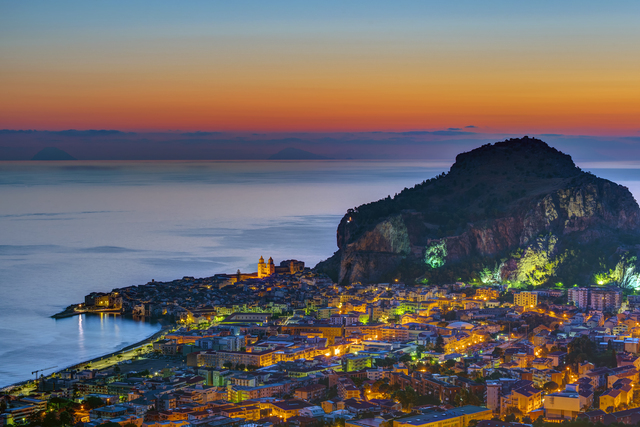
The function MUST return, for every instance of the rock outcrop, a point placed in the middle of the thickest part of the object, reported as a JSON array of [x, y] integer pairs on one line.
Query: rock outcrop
[[519, 202]]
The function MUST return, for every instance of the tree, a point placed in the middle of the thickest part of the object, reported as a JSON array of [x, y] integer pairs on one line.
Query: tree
[[405, 358], [66, 419], [227, 365], [385, 363], [439, 344], [435, 368], [419, 350], [406, 397], [50, 419], [57, 403], [539, 422], [513, 410], [450, 363], [550, 386], [466, 397], [498, 351], [451, 315], [93, 402]]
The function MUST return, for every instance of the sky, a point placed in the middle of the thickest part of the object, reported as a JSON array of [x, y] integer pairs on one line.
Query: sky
[[496, 68]]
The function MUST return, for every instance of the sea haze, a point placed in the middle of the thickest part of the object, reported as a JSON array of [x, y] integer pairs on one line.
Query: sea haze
[[70, 228]]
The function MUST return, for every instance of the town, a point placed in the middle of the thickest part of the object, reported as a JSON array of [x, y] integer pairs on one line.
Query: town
[[287, 346]]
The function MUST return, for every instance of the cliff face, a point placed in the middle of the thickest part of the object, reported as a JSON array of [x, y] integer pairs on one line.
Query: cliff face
[[517, 195]]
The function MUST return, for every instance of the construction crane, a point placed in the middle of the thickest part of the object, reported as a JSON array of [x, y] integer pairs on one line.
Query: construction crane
[[41, 370]]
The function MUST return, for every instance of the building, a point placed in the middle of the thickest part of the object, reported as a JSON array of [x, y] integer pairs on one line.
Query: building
[[266, 269], [248, 317], [562, 405], [610, 399], [596, 298], [287, 408], [347, 389], [239, 393], [557, 358], [487, 293], [603, 299], [543, 376], [355, 362], [578, 297], [219, 359], [457, 417], [494, 390], [526, 299], [523, 396], [311, 392], [228, 343]]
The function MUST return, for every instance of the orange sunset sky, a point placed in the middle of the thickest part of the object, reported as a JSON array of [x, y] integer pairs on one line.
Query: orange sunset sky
[[570, 68]]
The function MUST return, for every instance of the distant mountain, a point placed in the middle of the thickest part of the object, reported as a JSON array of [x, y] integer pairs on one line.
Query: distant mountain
[[291, 153], [52, 153], [517, 211]]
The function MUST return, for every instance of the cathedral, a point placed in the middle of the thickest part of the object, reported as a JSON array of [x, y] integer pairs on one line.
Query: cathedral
[[266, 269]]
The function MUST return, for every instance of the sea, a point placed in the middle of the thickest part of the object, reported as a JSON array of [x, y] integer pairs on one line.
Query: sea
[[71, 228]]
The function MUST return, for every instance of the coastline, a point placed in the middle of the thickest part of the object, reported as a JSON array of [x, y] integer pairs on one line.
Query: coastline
[[142, 343], [73, 310], [153, 337]]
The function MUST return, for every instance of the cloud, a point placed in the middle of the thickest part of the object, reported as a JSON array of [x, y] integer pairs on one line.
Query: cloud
[[200, 133], [108, 250], [448, 132], [12, 131], [454, 129], [471, 127], [90, 132]]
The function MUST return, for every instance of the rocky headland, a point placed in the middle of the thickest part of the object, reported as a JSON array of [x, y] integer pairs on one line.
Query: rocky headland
[[515, 210]]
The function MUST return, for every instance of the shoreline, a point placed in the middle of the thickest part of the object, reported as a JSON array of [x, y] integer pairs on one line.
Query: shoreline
[[75, 310], [153, 337]]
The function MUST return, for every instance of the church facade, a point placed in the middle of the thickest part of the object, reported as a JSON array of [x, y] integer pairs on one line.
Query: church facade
[[266, 269]]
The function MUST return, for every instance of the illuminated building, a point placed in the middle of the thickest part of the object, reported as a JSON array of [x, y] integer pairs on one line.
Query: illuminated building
[[487, 293], [267, 269], [457, 417], [353, 362], [600, 299], [526, 299]]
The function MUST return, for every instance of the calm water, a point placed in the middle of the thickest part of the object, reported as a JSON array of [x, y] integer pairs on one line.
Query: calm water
[[70, 228]]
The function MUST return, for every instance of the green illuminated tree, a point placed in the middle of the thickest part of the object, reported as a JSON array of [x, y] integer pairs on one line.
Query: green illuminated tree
[[436, 253]]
